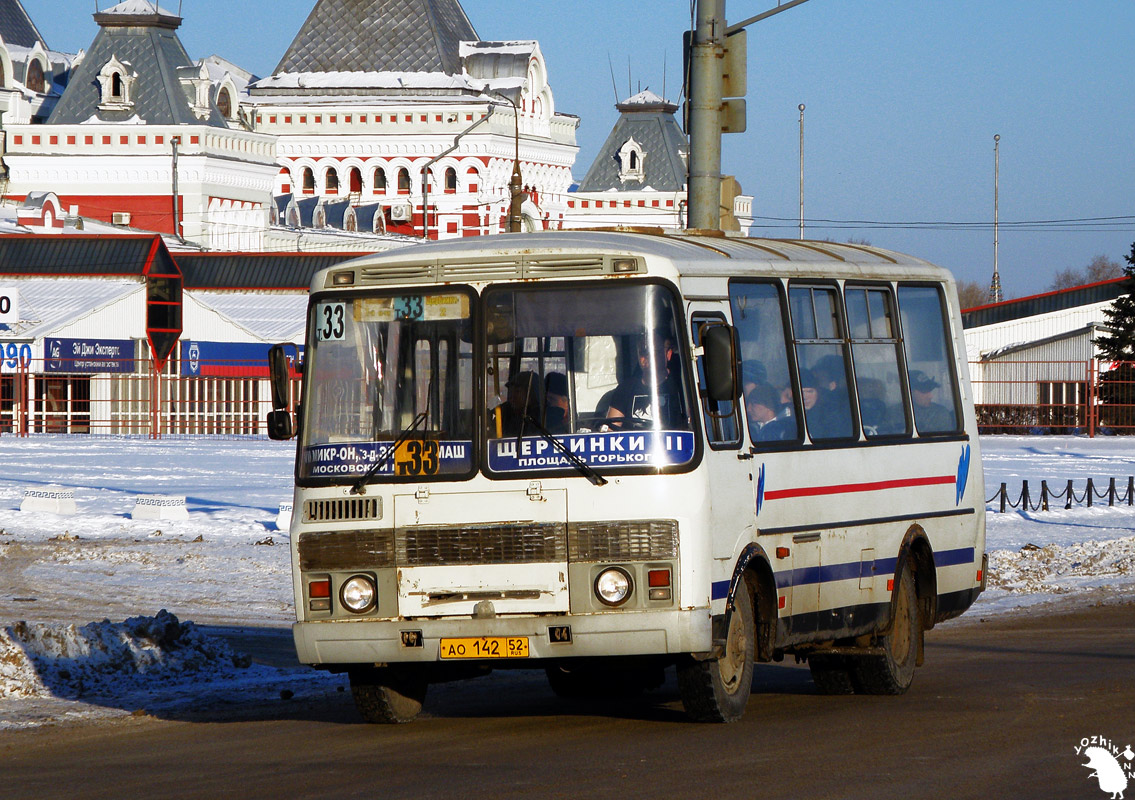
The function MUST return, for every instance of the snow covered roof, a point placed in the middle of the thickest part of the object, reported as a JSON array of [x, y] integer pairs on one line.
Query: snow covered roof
[[47, 304], [380, 36], [130, 12], [275, 317]]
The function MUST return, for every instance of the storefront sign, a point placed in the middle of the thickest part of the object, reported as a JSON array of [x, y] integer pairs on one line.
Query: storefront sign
[[88, 356]]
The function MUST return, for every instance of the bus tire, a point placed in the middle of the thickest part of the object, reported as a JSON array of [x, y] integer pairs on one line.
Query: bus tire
[[893, 670], [386, 695], [717, 690], [831, 674]]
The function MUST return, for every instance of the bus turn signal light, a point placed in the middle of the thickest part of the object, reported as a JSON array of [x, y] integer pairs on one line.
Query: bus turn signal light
[[319, 588], [659, 582]]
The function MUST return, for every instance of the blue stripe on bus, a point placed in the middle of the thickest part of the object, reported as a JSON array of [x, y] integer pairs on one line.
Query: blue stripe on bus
[[851, 570]]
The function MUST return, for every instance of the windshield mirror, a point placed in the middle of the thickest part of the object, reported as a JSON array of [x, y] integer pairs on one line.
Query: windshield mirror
[[377, 362], [602, 368]]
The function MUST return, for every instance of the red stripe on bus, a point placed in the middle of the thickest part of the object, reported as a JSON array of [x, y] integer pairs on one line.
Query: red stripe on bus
[[848, 488]]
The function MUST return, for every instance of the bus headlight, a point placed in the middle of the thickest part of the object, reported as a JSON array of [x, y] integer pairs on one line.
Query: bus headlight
[[358, 594], [613, 586]]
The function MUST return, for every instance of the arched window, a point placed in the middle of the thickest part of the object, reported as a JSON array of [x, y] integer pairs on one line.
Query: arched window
[[355, 181], [35, 76], [116, 86], [225, 103], [380, 180], [403, 181], [634, 160], [3, 77], [331, 183], [308, 181], [451, 180]]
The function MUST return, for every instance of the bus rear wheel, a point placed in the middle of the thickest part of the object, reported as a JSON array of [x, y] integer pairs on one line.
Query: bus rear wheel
[[717, 690], [387, 695], [892, 671]]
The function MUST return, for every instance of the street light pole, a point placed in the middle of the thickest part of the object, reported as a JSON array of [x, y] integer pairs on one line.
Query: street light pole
[[801, 107], [516, 183]]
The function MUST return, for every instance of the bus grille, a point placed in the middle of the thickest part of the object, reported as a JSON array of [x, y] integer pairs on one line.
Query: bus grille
[[346, 550], [499, 543], [642, 540], [496, 543], [351, 509]]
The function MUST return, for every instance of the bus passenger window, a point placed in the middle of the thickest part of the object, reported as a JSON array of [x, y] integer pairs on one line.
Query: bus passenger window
[[758, 316], [875, 351], [929, 360], [821, 356]]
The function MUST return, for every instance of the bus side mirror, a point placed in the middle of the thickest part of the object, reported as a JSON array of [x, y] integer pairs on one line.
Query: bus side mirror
[[280, 424], [279, 375], [721, 366], [279, 420]]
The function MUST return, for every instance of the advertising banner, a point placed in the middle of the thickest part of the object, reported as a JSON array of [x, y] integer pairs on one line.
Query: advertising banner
[[88, 356]]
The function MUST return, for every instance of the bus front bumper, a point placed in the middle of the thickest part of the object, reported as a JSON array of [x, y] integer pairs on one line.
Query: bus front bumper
[[628, 633]]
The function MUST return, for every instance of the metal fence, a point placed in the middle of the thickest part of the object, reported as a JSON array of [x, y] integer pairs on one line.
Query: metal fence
[[1020, 397], [1039, 397], [138, 400]]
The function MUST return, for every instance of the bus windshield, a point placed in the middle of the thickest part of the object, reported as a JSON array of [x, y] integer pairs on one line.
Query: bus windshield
[[384, 368], [599, 367]]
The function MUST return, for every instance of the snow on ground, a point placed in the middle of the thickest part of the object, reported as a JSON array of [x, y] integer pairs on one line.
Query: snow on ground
[[1036, 556], [228, 565]]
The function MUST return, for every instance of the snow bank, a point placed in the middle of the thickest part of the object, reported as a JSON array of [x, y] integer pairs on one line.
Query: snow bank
[[1060, 569], [104, 658]]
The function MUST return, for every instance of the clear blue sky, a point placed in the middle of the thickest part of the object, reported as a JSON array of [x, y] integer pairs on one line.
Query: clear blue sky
[[903, 100]]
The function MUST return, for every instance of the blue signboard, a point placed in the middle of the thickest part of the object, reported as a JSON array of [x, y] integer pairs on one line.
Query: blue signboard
[[621, 449], [225, 359], [88, 355]]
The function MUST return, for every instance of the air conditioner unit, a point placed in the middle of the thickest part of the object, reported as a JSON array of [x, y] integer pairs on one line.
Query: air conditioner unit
[[400, 213], [120, 218]]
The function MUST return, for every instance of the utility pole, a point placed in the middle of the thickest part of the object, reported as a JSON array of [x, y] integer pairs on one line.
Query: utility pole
[[801, 107], [714, 90]]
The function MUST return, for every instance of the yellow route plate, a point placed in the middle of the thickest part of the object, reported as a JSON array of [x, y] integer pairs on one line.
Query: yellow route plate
[[485, 647]]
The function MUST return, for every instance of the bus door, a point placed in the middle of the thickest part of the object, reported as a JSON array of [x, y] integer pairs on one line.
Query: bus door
[[727, 457]]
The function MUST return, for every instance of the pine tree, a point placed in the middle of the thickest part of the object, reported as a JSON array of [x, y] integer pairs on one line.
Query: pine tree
[[1117, 385], [1118, 344]]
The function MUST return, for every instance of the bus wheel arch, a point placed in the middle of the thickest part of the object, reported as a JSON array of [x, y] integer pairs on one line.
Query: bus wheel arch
[[754, 573], [919, 555]]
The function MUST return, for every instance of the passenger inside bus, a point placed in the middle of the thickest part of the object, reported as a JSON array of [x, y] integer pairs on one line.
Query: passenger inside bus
[[522, 399], [653, 395], [762, 402], [929, 416], [557, 406]]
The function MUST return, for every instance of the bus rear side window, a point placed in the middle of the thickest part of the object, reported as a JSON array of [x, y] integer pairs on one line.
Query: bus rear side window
[[875, 351], [821, 356], [933, 386]]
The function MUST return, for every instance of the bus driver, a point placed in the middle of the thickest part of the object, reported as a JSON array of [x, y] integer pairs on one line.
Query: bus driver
[[652, 385]]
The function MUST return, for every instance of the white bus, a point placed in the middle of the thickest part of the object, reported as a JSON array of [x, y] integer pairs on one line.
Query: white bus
[[606, 454]]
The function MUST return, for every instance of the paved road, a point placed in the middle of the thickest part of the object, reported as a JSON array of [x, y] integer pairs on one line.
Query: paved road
[[996, 712]]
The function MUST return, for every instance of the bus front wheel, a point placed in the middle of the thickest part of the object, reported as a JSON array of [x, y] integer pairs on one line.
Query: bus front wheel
[[892, 671], [717, 690], [386, 694]]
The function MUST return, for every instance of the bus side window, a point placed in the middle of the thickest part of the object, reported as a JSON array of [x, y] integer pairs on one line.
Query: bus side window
[[875, 352], [722, 426], [758, 316], [821, 356], [929, 359]]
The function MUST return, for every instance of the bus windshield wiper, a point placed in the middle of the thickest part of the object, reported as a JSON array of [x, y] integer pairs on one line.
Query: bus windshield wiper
[[360, 484], [581, 466]]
